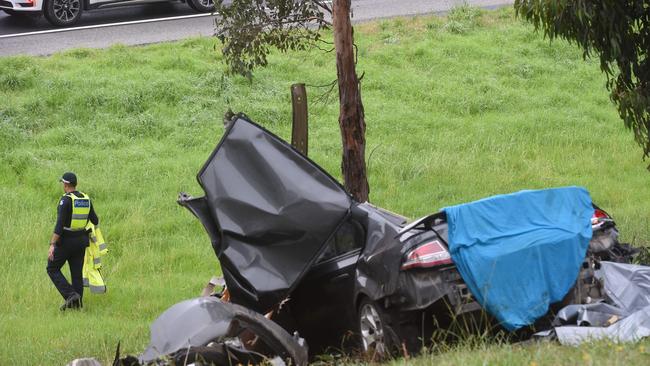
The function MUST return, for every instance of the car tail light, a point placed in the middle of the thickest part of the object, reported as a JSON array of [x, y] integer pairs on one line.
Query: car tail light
[[599, 217], [600, 214], [427, 255]]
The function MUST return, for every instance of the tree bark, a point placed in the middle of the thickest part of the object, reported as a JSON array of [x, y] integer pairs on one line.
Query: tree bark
[[351, 118]]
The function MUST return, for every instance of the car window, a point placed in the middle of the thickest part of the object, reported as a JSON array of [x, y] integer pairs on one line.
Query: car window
[[349, 237]]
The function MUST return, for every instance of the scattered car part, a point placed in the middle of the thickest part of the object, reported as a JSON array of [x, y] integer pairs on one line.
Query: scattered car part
[[219, 332], [622, 314], [84, 362]]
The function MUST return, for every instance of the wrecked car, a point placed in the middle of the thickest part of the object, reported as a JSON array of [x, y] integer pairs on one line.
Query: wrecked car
[[292, 241], [283, 228]]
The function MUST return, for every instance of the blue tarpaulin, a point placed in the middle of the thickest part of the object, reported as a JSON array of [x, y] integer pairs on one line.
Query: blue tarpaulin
[[520, 252]]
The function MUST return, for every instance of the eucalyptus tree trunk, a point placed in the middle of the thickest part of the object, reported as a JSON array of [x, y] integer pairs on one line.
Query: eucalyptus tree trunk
[[351, 118]]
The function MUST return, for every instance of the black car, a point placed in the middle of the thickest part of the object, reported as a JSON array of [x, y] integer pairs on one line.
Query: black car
[[291, 240]]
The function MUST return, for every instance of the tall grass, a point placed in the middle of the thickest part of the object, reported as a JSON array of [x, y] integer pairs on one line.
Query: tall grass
[[457, 108]]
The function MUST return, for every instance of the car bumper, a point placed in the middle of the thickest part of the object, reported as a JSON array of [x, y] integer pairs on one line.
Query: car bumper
[[419, 289], [22, 5]]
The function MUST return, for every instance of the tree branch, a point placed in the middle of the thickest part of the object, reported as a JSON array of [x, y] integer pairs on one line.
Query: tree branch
[[324, 5]]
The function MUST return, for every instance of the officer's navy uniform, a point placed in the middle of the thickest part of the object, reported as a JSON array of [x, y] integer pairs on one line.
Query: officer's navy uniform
[[71, 248]]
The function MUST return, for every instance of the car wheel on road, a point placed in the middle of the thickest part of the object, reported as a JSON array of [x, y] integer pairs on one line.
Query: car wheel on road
[[377, 338], [62, 12], [203, 6]]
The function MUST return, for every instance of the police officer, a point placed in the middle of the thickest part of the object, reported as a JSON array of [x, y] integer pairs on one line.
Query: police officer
[[69, 241]]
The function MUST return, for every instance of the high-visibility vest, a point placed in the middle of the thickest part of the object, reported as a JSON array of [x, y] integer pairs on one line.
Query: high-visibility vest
[[92, 276], [80, 212]]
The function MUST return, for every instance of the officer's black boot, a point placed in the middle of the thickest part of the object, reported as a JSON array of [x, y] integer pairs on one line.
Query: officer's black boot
[[72, 302]]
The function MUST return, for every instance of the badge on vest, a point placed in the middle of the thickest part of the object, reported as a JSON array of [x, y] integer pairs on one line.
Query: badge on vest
[[81, 203]]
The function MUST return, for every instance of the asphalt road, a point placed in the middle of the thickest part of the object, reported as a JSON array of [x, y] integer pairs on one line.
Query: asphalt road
[[162, 22]]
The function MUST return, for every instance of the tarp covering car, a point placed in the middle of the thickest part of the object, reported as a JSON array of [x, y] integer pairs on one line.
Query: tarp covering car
[[274, 211], [520, 252]]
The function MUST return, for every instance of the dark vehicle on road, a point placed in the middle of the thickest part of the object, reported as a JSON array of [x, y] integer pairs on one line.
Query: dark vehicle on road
[[291, 240]]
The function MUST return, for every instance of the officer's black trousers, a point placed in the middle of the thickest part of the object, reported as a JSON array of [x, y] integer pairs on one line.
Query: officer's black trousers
[[71, 250]]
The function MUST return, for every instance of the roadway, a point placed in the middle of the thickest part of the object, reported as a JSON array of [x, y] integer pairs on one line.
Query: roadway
[[163, 22]]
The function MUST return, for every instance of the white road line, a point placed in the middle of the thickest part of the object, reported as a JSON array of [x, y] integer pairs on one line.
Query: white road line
[[106, 25]]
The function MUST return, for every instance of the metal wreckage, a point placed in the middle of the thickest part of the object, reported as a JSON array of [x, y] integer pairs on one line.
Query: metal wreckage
[[332, 273]]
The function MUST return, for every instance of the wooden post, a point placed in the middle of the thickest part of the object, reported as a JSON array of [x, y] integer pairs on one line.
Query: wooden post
[[300, 127]]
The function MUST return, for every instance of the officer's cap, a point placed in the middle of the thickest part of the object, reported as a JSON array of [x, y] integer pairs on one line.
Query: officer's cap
[[69, 178]]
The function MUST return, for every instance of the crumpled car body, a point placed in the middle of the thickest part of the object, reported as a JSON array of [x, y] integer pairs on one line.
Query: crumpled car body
[[283, 228], [291, 240]]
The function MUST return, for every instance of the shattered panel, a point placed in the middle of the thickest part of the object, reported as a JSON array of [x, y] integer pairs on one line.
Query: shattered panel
[[623, 316]]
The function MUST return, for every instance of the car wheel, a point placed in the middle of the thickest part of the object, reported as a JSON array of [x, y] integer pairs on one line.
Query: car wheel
[[203, 6], [377, 338], [62, 12]]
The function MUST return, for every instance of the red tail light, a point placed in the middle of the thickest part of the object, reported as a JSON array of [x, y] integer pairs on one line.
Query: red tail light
[[600, 214], [427, 255]]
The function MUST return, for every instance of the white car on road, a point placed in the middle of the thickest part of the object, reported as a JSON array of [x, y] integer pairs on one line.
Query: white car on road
[[68, 12]]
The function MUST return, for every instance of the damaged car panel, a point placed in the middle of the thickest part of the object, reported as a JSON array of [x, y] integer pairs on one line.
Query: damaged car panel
[[274, 210], [620, 314], [220, 333], [199, 208]]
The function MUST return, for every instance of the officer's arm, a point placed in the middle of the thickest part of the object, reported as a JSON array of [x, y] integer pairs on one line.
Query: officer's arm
[[63, 211], [92, 216], [55, 239]]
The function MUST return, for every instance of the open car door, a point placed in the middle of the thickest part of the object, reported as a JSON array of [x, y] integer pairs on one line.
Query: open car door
[[269, 211]]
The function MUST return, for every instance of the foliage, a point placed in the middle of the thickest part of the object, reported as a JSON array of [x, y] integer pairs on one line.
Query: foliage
[[249, 28], [618, 31], [462, 19]]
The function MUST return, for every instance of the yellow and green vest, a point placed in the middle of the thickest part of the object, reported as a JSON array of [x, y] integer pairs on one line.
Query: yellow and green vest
[[80, 211]]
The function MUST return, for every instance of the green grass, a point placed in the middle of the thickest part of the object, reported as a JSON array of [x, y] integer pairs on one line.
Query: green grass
[[457, 109]]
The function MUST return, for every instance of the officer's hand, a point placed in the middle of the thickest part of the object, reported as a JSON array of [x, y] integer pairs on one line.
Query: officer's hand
[[50, 254]]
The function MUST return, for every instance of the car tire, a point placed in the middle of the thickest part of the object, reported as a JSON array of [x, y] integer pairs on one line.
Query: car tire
[[62, 13], [377, 339], [202, 6]]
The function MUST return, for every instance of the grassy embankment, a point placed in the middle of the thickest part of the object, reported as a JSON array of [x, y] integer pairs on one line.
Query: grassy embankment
[[457, 109]]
